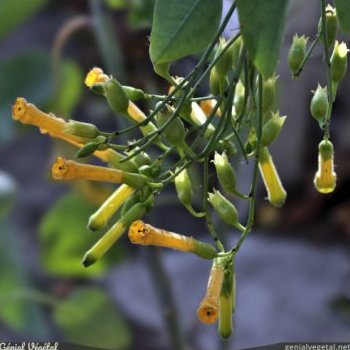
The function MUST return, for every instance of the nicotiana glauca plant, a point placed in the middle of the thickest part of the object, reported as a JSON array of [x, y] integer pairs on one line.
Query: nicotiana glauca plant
[[236, 120]]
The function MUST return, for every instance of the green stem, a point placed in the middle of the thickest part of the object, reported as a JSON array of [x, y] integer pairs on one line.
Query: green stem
[[253, 189], [210, 225], [329, 74], [307, 55]]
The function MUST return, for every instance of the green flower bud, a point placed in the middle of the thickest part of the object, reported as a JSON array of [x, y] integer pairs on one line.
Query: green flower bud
[[142, 158], [332, 25], [224, 64], [116, 96], [228, 147], [251, 143], [218, 83], [184, 188], [214, 82], [225, 209], [134, 94], [226, 303], [272, 129], [85, 130], [135, 180], [175, 132], [269, 93], [129, 203], [297, 53], [339, 61], [319, 104], [238, 100], [136, 212], [225, 172], [87, 150], [236, 50]]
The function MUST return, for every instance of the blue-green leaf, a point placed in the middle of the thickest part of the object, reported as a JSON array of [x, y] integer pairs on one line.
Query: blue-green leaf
[[181, 28], [262, 25]]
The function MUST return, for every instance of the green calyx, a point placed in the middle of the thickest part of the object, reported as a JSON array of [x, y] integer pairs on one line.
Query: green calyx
[[135, 180], [269, 93], [137, 211], [326, 149], [84, 130], [175, 131], [116, 96], [134, 94], [297, 53], [272, 128], [224, 208], [225, 172], [227, 302], [184, 188], [238, 100], [89, 148], [204, 250], [339, 61], [332, 25], [319, 104], [225, 62]]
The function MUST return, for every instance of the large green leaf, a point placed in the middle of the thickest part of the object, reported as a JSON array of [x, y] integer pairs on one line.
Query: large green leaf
[[21, 315], [13, 13], [88, 317], [343, 13], [26, 75], [262, 24], [64, 239], [181, 28]]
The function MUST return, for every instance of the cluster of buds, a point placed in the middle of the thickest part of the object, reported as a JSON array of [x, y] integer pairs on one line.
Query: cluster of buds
[[323, 97]]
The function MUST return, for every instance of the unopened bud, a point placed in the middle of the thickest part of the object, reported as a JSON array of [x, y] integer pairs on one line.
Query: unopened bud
[[297, 53], [225, 209], [319, 104], [225, 172], [272, 129]]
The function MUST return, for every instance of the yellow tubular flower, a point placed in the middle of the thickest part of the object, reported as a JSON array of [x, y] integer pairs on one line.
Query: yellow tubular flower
[[63, 169], [104, 244], [207, 107], [109, 207], [144, 234], [208, 310], [325, 177], [27, 113], [276, 194]]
